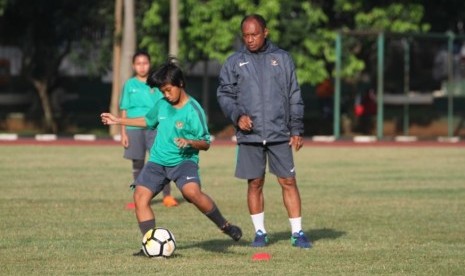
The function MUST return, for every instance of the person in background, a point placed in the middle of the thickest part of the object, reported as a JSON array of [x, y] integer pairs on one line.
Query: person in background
[[137, 99]]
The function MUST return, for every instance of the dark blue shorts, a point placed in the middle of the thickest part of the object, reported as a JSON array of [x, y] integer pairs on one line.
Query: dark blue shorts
[[252, 159], [154, 176], [140, 142]]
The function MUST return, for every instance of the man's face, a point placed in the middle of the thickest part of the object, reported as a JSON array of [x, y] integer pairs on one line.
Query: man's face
[[253, 35]]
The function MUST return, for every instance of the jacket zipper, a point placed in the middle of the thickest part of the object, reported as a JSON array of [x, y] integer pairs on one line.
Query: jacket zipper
[[262, 59]]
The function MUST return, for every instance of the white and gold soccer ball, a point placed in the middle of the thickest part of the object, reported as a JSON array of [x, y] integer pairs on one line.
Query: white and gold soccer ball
[[158, 242]]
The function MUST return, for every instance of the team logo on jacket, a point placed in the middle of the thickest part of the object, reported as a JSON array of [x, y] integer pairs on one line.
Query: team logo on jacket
[[179, 124], [274, 62]]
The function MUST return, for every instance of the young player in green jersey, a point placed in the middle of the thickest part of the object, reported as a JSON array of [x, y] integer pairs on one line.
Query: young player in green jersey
[[182, 133]]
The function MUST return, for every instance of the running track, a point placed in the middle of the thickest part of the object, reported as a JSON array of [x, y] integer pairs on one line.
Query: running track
[[307, 143]]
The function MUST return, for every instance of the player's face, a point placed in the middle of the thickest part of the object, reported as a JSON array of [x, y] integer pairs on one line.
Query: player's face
[[253, 35], [141, 66], [171, 92]]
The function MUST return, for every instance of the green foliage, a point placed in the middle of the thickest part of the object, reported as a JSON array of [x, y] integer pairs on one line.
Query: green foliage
[[2, 6], [370, 19], [210, 30], [305, 35], [155, 31], [347, 6], [394, 18]]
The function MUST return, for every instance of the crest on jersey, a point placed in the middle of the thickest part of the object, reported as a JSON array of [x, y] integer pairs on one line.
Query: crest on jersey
[[179, 124], [274, 62]]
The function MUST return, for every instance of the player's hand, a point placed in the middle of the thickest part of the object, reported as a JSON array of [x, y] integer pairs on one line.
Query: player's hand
[[109, 119], [124, 140], [182, 143], [245, 123], [296, 142]]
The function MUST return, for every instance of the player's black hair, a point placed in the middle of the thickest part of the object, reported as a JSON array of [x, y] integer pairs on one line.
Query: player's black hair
[[167, 73], [140, 53], [261, 21]]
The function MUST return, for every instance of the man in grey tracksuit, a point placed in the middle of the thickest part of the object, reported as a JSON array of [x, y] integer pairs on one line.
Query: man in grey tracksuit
[[259, 93]]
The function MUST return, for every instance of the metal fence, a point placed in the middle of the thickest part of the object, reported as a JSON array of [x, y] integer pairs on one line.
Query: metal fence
[[414, 79]]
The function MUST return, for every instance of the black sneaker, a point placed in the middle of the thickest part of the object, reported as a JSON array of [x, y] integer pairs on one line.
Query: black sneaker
[[139, 253], [232, 230]]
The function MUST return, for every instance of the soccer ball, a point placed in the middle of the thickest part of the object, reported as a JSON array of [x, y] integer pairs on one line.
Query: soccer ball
[[158, 242]]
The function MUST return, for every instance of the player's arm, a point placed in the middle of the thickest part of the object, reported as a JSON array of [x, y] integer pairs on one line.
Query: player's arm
[[123, 116], [124, 136], [227, 93], [196, 144], [110, 119], [296, 104]]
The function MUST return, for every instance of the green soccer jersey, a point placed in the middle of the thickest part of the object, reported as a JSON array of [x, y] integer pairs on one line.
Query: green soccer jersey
[[138, 98], [187, 122]]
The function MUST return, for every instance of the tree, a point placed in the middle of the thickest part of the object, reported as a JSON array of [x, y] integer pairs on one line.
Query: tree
[[155, 31], [305, 32], [46, 31], [129, 40], [124, 46], [116, 84], [307, 29], [174, 28], [208, 30]]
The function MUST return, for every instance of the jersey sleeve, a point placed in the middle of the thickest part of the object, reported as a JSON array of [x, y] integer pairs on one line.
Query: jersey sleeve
[[151, 118], [199, 124], [124, 99]]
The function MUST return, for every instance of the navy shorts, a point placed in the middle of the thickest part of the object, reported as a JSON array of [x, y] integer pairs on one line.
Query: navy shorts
[[154, 176], [252, 159], [140, 142]]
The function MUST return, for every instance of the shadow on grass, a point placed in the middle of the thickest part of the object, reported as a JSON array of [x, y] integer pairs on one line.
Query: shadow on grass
[[222, 245], [314, 235], [216, 245]]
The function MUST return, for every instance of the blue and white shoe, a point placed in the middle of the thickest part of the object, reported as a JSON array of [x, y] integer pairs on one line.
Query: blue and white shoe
[[300, 240], [261, 239]]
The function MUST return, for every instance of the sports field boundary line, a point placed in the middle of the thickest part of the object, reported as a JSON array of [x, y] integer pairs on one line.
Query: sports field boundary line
[[308, 142]]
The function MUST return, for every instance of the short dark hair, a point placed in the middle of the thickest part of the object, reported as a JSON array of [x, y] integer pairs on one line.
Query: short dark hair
[[140, 53], [257, 17], [167, 73]]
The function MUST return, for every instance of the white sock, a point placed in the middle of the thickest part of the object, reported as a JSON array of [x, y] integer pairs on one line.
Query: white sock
[[296, 224], [258, 221]]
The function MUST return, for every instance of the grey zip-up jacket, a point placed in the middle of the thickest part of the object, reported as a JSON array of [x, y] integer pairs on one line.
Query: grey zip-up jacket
[[264, 86]]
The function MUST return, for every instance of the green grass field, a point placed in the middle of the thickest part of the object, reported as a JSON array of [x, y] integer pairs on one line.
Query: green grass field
[[369, 210]]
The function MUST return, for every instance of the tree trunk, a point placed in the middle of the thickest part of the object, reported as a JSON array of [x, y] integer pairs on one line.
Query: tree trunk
[[41, 87], [129, 40], [174, 28], [116, 85]]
